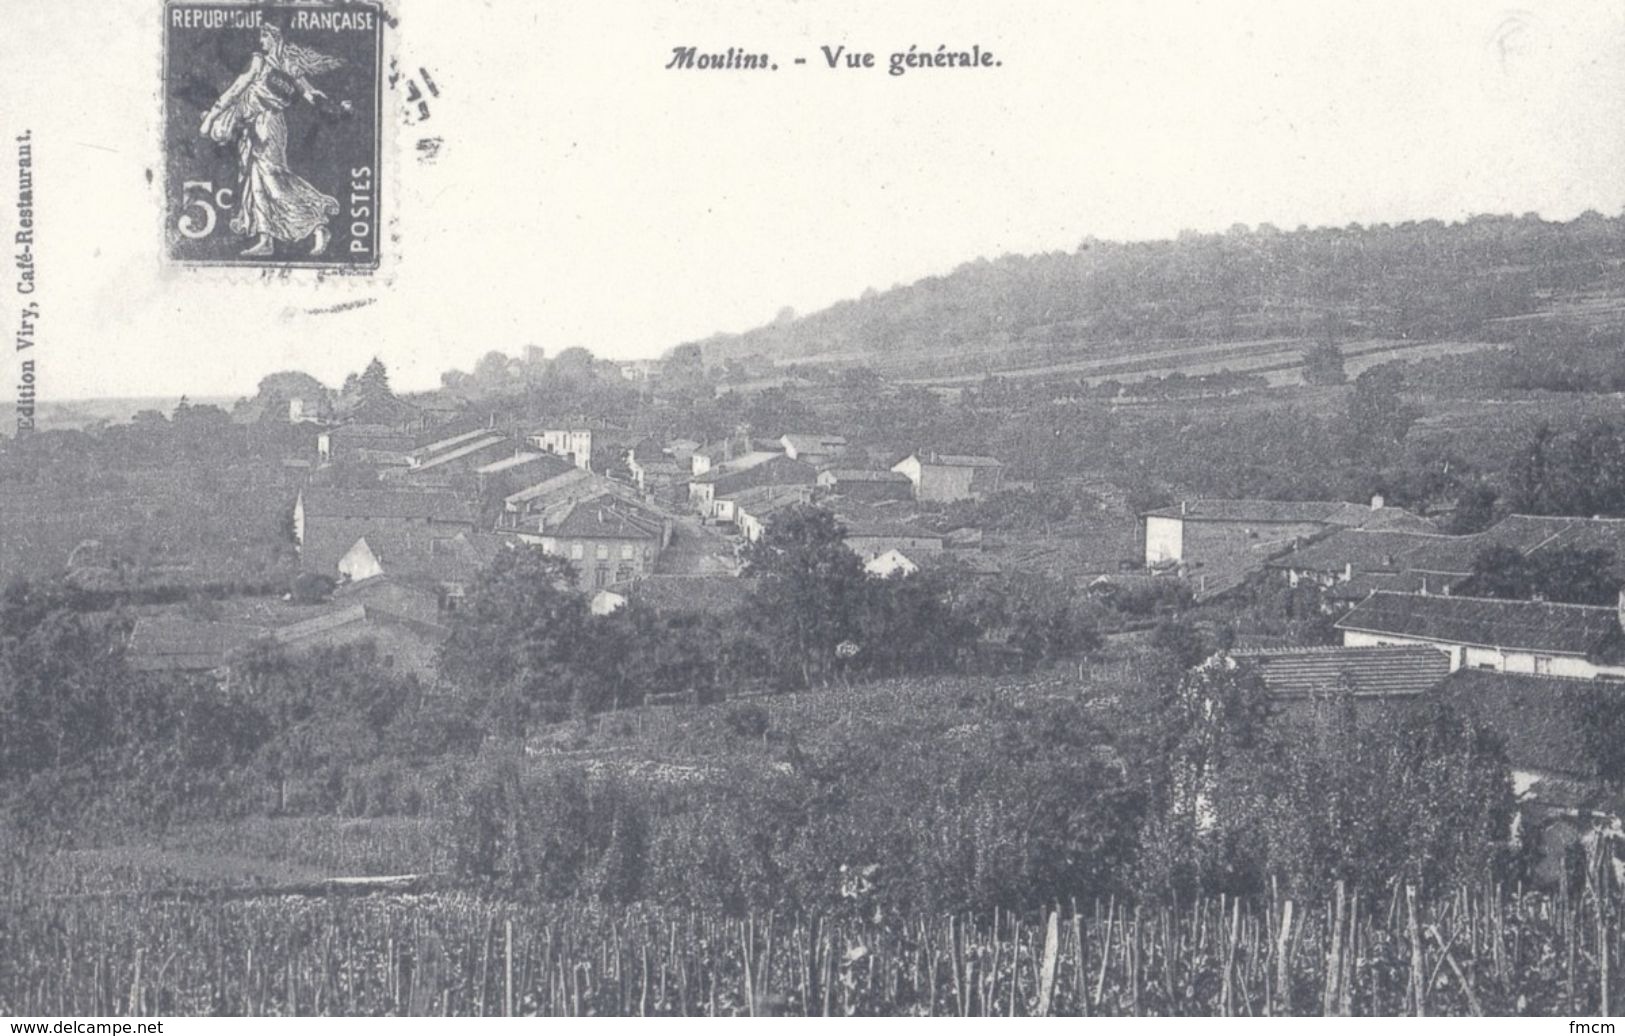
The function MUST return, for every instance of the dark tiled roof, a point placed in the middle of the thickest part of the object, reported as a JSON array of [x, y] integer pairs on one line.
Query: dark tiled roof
[[433, 504], [962, 460], [1258, 511], [476, 448], [515, 461], [1368, 550], [1534, 715], [413, 555], [722, 469], [812, 442], [175, 643], [762, 499], [863, 530], [607, 517], [1486, 622], [429, 449], [865, 475], [1534, 534], [1369, 670]]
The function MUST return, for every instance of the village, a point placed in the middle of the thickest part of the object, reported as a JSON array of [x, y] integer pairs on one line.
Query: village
[[402, 508]]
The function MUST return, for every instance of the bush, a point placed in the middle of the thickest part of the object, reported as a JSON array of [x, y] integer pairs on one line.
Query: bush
[[747, 719]]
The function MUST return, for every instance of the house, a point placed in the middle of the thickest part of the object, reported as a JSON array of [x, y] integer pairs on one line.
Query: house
[[946, 477], [1350, 563], [816, 449], [1208, 530], [570, 441], [404, 643], [1538, 724], [381, 446], [640, 371], [682, 451], [891, 563], [556, 493], [449, 564], [871, 540], [754, 508], [753, 469], [654, 471], [332, 513], [865, 485], [608, 539], [589, 443], [404, 622], [1536, 637], [176, 644]]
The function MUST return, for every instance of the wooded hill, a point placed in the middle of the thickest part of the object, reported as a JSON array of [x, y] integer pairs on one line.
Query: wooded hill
[[1414, 280]]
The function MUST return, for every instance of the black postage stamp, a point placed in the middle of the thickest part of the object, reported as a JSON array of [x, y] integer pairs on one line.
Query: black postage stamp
[[271, 133]]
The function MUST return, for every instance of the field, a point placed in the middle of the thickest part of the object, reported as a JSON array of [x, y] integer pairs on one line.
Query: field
[[1496, 952]]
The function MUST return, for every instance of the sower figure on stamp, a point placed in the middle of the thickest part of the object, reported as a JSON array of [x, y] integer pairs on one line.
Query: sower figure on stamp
[[276, 203]]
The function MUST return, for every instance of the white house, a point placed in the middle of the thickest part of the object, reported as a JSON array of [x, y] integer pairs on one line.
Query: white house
[[572, 442], [891, 563]]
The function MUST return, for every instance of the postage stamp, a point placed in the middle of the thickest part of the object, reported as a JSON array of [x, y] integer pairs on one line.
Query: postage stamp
[[272, 124]]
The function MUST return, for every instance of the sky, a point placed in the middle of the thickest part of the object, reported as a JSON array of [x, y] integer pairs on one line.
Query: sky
[[584, 194]]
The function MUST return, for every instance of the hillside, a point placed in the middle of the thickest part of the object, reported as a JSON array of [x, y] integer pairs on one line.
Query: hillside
[[1425, 281]]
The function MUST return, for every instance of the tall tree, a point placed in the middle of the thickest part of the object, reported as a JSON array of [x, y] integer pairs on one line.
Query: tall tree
[[810, 594], [374, 382]]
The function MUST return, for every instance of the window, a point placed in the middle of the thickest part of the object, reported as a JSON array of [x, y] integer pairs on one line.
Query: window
[[577, 552], [626, 552], [600, 577], [603, 552], [1543, 665]]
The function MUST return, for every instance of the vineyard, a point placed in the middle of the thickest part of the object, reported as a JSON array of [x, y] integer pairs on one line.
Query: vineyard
[[1480, 952]]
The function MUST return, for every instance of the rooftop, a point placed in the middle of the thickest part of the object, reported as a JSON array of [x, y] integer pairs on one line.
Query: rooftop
[[812, 441], [960, 460], [608, 517], [865, 475], [431, 504], [176, 643], [451, 442], [1259, 511], [1571, 629], [506, 463], [1375, 671], [465, 450]]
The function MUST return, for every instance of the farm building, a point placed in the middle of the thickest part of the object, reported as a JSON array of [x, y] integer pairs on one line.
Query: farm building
[[1353, 562], [946, 477], [866, 485], [818, 449], [1202, 530], [1536, 637], [721, 481]]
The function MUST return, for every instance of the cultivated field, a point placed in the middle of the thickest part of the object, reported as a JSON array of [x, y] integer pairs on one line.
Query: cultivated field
[[1496, 952]]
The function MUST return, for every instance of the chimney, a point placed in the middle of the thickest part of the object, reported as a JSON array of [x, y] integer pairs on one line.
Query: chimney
[[1376, 501], [1182, 507]]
